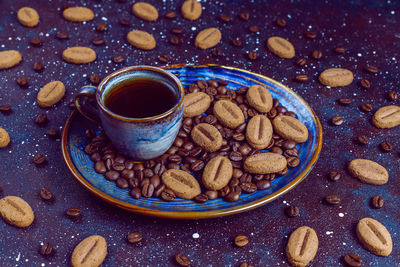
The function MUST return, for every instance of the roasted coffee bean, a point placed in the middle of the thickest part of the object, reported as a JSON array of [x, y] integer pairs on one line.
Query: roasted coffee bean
[[177, 30], [202, 198], [301, 61], [144, 182], [73, 212], [311, 34], [100, 167], [241, 240], [216, 52], [124, 22], [129, 165], [292, 211], [362, 140], [340, 50], [133, 182], [122, 183], [316, 54], [246, 264], [269, 176], [182, 260], [211, 194], [101, 27], [377, 202], [134, 237], [393, 96], [112, 175], [46, 194], [277, 150], [89, 134], [98, 40], [365, 84], [188, 146], [254, 28], [38, 66], [289, 144], [159, 169], [224, 18], [371, 69], [353, 260], [118, 59], [148, 190], [170, 15], [46, 249], [36, 41], [224, 191], [158, 190], [252, 55], [95, 79], [366, 107], [237, 42], [39, 159], [109, 162], [337, 120], [334, 175], [344, 101], [281, 109], [136, 193], [235, 156], [332, 199], [155, 181], [258, 177], [5, 108], [282, 172], [281, 22], [197, 166], [168, 195], [293, 162], [163, 58], [302, 78], [386, 146], [248, 187], [291, 153], [175, 40], [62, 35], [232, 197], [53, 133], [128, 174], [22, 81], [263, 184], [244, 16]]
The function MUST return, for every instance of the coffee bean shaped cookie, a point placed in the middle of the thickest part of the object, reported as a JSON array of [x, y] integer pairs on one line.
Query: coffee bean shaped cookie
[[290, 128], [90, 252], [217, 173], [265, 163], [368, 171], [387, 117], [9, 58], [259, 132], [16, 211], [302, 246], [78, 14], [208, 38], [259, 98], [50, 94], [280, 47], [191, 9], [195, 104], [228, 113], [182, 183], [4, 138], [374, 237], [335, 77], [207, 136], [79, 55], [28, 16], [145, 11], [141, 40]]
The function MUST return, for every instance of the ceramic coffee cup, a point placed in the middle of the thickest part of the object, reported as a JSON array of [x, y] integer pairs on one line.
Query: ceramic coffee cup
[[139, 138]]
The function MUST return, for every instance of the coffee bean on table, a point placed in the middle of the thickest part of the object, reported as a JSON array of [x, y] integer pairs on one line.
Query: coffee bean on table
[[175, 40], [163, 58], [118, 59], [371, 69], [46, 249], [292, 211], [316, 54], [281, 22], [334, 175], [393, 96], [134, 237], [36, 41], [73, 212], [53, 133], [352, 260], [254, 28], [62, 35], [340, 50], [224, 18], [252, 55], [101, 27], [311, 34], [244, 16], [95, 79], [345, 101], [38, 66], [46, 194], [237, 42], [301, 61], [302, 78], [362, 140], [386, 146], [337, 120], [98, 40], [365, 84], [22, 81], [241, 240], [124, 22], [41, 119], [332, 199], [377, 202], [170, 15], [5, 108], [39, 159], [182, 260], [177, 30]]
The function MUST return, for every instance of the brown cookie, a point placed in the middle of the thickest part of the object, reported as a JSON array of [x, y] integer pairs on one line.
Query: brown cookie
[[259, 132], [16, 211], [79, 55], [90, 252], [50, 94], [336, 77], [9, 58], [259, 98], [4, 138], [195, 104], [374, 237], [228, 113], [280, 47], [368, 171], [145, 11], [387, 117], [217, 173], [302, 246], [182, 183], [141, 40], [207, 136], [191, 9], [78, 14], [208, 38], [28, 16], [265, 163], [290, 128]]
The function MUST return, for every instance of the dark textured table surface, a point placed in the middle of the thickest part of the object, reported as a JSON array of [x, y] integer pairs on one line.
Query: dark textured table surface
[[369, 31]]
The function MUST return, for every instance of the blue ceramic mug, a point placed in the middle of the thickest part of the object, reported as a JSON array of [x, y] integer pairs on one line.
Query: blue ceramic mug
[[138, 138]]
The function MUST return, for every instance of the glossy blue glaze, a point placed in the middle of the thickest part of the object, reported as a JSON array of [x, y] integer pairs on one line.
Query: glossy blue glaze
[[237, 78]]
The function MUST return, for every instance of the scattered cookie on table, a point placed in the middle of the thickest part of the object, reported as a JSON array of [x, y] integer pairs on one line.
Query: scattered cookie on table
[[4, 138], [78, 14], [16, 211], [50, 94], [145, 11], [335, 77], [302, 246], [368, 171], [281, 47], [79, 55], [28, 16], [208, 38], [90, 252], [374, 237], [191, 9], [141, 39], [9, 58]]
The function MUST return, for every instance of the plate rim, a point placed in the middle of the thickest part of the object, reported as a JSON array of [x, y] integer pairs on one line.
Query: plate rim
[[199, 214]]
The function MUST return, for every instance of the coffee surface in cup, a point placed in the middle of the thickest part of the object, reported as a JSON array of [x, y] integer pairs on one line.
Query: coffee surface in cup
[[140, 98]]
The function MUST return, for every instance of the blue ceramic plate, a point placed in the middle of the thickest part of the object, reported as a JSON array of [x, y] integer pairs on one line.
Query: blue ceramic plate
[[80, 165]]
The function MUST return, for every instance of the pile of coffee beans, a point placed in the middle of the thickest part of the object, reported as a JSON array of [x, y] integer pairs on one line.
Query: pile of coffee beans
[[144, 178]]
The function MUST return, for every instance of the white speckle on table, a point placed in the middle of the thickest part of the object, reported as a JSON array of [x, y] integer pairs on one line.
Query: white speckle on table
[[195, 235], [344, 244], [341, 215], [329, 232], [18, 257], [359, 54]]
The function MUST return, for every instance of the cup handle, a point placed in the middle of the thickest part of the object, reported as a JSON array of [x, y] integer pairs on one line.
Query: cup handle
[[85, 103]]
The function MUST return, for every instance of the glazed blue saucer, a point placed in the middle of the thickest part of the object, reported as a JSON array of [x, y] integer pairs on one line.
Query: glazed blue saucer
[[81, 167]]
